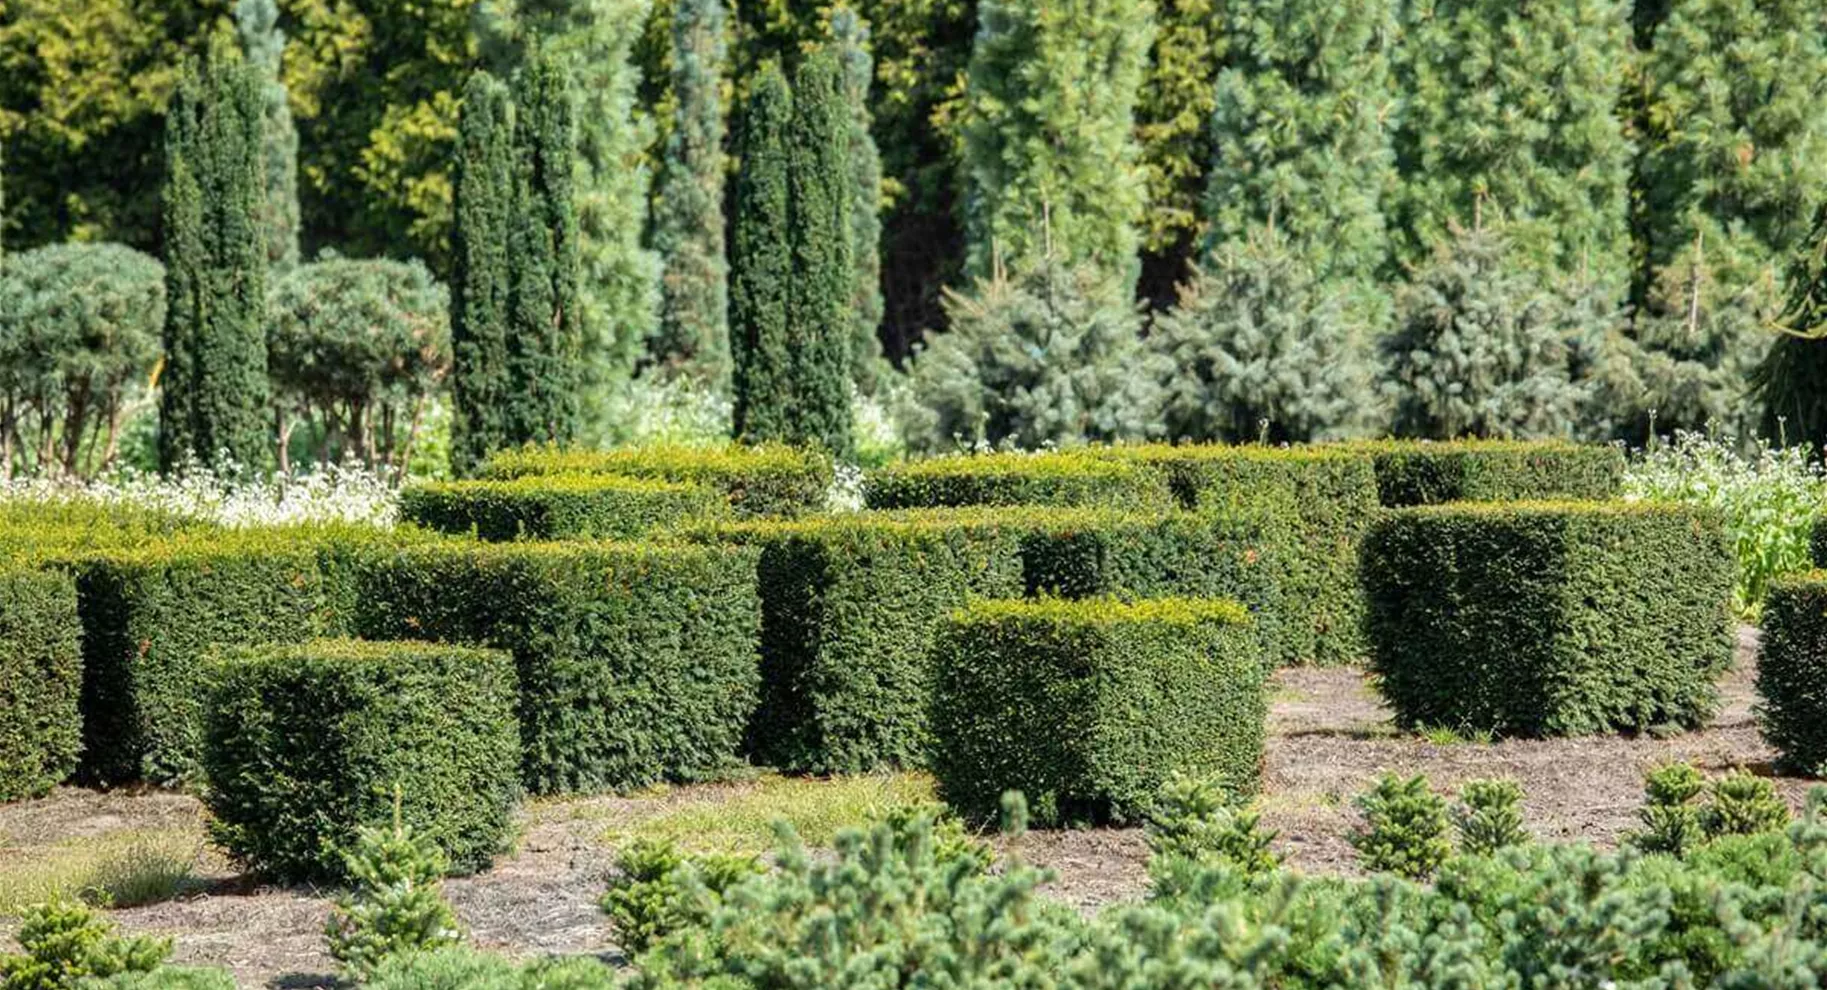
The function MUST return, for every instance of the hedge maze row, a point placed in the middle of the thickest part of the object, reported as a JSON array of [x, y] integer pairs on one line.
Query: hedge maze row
[[615, 619]]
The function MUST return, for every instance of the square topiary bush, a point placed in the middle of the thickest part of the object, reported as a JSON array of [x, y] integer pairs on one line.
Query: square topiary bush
[[40, 681], [1418, 472], [762, 480], [305, 745], [1075, 477], [1087, 707], [636, 663], [566, 506], [1549, 618], [1792, 672]]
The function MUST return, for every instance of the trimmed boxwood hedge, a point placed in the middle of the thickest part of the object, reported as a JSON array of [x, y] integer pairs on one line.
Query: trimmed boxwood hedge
[[40, 681], [1087, 707], [1075, 477], [764, 480], [1792, 672], [1817, 542], [544, 507], [1419, 472], [304, 745], [1549, 618], [150, 615], [636, 663]]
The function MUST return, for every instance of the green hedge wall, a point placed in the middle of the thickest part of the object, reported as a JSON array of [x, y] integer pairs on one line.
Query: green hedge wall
[[150, 615], [40, 681], [1817, 542], [1076, 477], [1792, 672], [1087, 707], [1413, 472], [305, 745], [636, 663], [1549, 618], [764, 480], [545, 507], [849, 606]]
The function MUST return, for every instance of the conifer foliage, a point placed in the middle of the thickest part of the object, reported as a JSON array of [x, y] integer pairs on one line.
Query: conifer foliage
[[263, 44], [761, 263], [1790, 379], [484, 180], [818, 218], [850, 36], [213, 403]]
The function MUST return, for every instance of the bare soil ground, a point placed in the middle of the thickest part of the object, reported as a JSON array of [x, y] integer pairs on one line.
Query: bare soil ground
[[1329, 739]]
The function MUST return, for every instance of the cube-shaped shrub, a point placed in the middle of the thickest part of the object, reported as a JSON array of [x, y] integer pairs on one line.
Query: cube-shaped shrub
[[849, 606], [1075, 477], [1414, 472], [764, 480], [1792, 672], [636, 663], [1087, 707], [150, 615], [1549, 618], [566, 506], [304, 745], [40, 680]]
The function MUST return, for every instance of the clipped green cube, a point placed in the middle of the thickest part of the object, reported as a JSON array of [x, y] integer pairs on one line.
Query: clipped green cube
[[40, 681], [1792, 672], [1549, 618], [1075, 477], [1427, 472], [1087, 707], [761, 480], [552, 507], [304, 745]]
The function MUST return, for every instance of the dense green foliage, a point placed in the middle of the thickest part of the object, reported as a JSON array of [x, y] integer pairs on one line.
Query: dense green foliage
[[850, 38], [483, 187], [66, 945], [1493, 471], [263, 46], [80, 326], [1488, 817], [1546, 618], [1088, 706], [651, 893], [1014, 479], [761, 264], [1404, 828], [1787, 379], [306, 746], [214, 396], [821, 330], [556, 507], [636, 664], [1792, 671], [394, 906], [41, 665], [762, 480]]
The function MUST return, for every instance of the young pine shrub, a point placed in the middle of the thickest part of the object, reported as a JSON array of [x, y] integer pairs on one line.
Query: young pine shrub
[[1196, 818], [395, 903], [650, 895], [1743, 804], [1404, 828], [66, 944], [1671, 821], [1489, 816]]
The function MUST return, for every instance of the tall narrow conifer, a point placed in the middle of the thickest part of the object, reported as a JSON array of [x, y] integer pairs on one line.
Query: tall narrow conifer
[[484, 180], [761, 264]]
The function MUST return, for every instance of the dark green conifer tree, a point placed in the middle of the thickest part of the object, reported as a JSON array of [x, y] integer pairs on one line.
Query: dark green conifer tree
[[761, 264], [545, 334], [851, 37], [483, 194], [1792, 380], [213, 399], [693, 335], [263, 45], [818, 220]]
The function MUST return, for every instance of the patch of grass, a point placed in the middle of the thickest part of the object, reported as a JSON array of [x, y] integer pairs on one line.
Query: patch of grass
[[1442, 736], [119, 869], [739, 818]]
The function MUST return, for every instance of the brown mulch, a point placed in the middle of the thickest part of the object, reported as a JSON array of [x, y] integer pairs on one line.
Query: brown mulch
[[1329, 739]]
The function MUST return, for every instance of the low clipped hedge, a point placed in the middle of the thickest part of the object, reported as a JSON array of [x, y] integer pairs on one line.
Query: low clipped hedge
[[1549, 618], [150, 615], [1087, 707], [1414, 472], [764, 480], [636, 663], [305, 745], [1792, 672], [40, 681], [546, 507], [1074, 477]]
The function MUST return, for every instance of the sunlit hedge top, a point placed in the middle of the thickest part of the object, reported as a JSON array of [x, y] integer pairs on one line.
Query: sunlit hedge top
[[768, 479], [1075, 477], [1106, 611], [1412, 472]]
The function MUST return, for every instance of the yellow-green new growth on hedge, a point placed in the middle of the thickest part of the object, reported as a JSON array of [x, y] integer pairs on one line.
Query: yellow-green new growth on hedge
[[1075, 477], [566, 506], [1423, 472], [763, 480]]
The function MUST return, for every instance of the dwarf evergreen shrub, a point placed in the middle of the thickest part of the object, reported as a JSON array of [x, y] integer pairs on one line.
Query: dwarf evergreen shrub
[[1089, 706], [636, 664], [1062, 478], [307, 745], [765, 480], [395, 904], [545, 507], [1489, 816], [1404, 828], [1549, 618], [66, 946], [1792, 670], [41, 674], [1427, 473]]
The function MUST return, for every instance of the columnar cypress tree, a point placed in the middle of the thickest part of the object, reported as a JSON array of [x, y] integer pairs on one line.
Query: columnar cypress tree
[[483, 193], [214, 400], [1173, 123], [818, 219], [1791, 379], [851, 37], [688, 221], [1512, 116], [263, 45], [761, 264], [545, 336], [1050, 158]]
